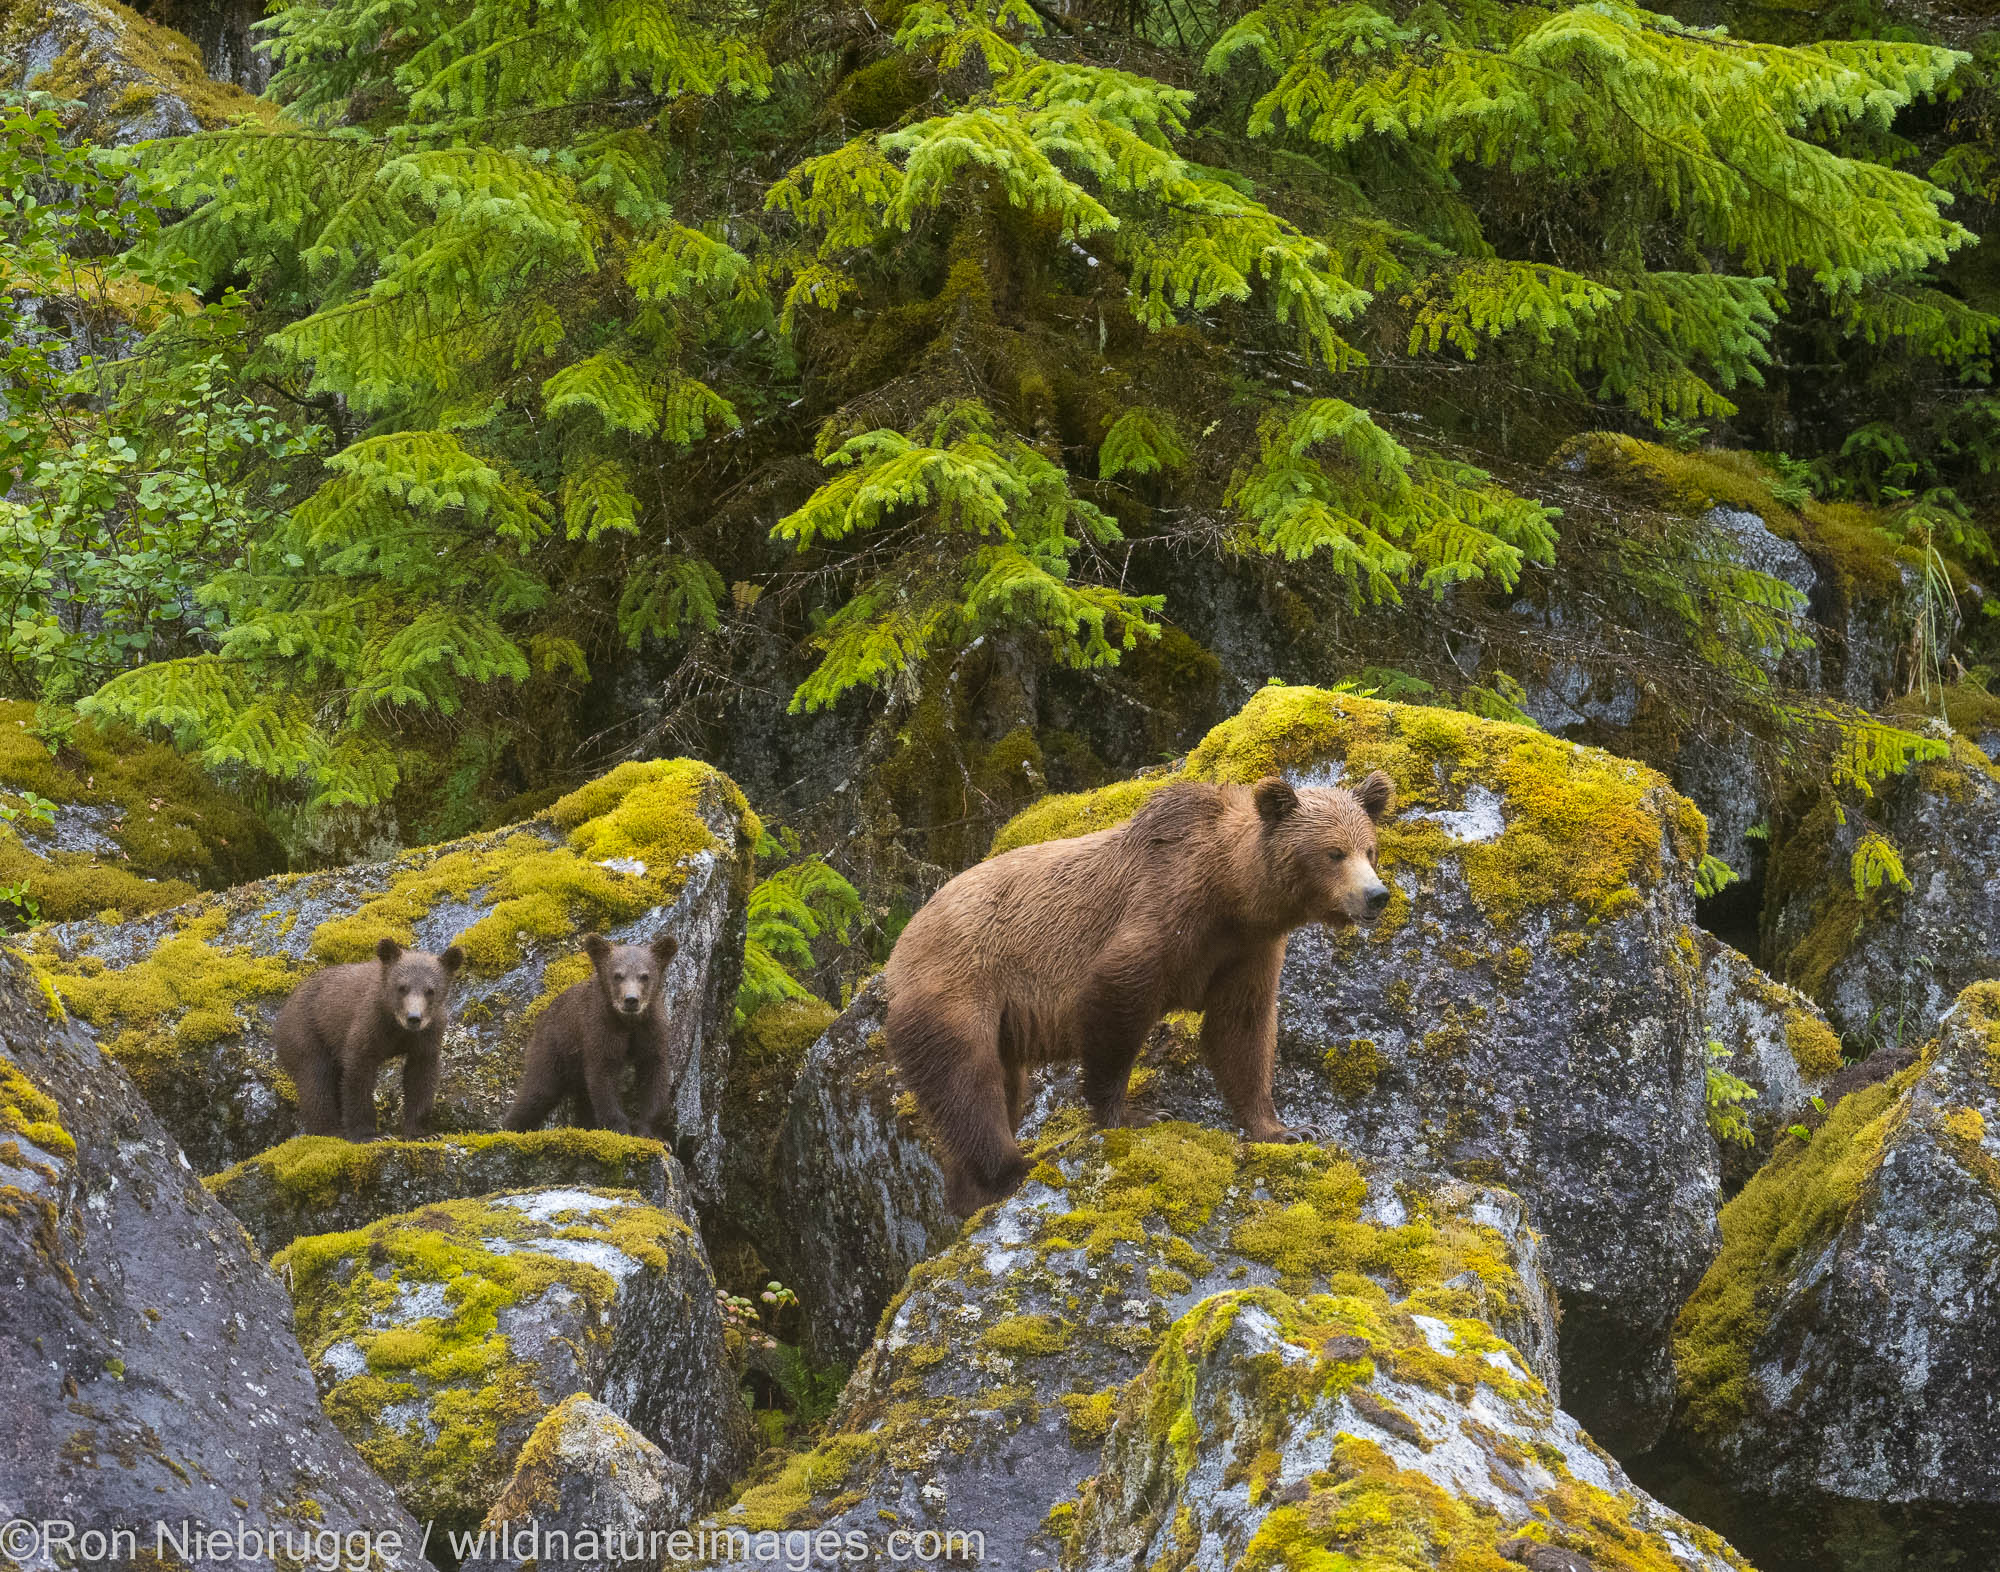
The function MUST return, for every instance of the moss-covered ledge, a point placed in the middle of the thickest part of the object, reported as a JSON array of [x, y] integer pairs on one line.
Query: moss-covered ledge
[[320, 1184], [1099, 1302]]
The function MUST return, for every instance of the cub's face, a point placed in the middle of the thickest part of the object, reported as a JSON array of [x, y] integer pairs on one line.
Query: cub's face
[[629, 974], [414, 983], [1322, 842]]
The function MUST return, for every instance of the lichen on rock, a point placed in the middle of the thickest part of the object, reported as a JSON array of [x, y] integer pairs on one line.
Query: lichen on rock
[[1058, 1317], [1273, 1431], [318, 1184], [186, 998], [442, 1337], [148, 1358], [588, 1494]]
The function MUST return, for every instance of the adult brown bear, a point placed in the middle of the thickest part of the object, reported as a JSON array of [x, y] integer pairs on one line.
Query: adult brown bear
[[1074, 949]]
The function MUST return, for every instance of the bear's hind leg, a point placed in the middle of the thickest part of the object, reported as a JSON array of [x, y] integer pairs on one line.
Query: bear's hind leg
[[952, 1066]]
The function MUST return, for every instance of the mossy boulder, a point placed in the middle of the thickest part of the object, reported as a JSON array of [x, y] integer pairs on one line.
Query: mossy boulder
[[1771, 1037], [321, 1184], [186, 998], [1836, 1363], [1527, 1012], [589, 1494], [441, 1338], [1885, 965], [148, 1359], [1275, 1431], [136, 79], [1055, 1321], [767, 1051], [130, 826]]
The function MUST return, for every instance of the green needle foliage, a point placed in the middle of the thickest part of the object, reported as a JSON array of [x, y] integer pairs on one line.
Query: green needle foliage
[[939, 337]]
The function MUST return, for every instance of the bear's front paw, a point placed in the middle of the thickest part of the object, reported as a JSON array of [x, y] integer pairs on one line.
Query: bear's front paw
[[1281, 1135]]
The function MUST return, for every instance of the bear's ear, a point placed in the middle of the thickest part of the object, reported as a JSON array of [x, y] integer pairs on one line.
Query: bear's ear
[[1275, 800], [451, 960], [388, 951], [665, 948], [596, 946], [1377, 795]]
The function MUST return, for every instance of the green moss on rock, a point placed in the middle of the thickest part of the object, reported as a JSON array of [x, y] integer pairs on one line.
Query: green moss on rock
[[315, 1184], [432, 1394], [1792, 1206]]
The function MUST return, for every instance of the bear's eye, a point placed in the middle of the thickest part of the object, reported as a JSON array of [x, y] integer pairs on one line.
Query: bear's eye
[[1338, 854]]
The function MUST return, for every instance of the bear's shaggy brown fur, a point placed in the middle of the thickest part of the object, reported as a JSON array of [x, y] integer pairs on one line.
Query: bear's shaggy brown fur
[[342, 1024], [1074, 949], [591, 1032]]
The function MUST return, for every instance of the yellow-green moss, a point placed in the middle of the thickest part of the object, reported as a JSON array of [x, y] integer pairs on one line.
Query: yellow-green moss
[[183, 996], [1090, 1415], [1026, 1336], [171, 824], [1584, 829], [1353, 1067], [473, 1401], [1793, 1205], [1842, 536], [1361, 1510], [316, 1170], [144, 59], [30, 1113], [1812, 1043]]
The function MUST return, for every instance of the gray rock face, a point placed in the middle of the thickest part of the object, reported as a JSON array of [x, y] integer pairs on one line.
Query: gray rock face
[[321, 1184], [186, 998], [1366, 1437], [1837, 1362], [589, 1494], [1885, 968], [441, 1338], [859, 1197], [1770, 1036], [1072, 1309], [149, 1362]]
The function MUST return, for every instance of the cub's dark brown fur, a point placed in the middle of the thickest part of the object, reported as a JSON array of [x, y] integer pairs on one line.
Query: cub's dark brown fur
[[593, 1030], [342, 1024], [1074, 949]]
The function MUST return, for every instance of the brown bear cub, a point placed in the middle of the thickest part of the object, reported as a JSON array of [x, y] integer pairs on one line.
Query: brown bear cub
[[1074, 949], [341, 1024], [593, 1030]]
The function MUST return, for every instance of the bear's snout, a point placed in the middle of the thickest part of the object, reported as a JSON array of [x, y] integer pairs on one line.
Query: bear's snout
[[1376, 899], [631, 1004]]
